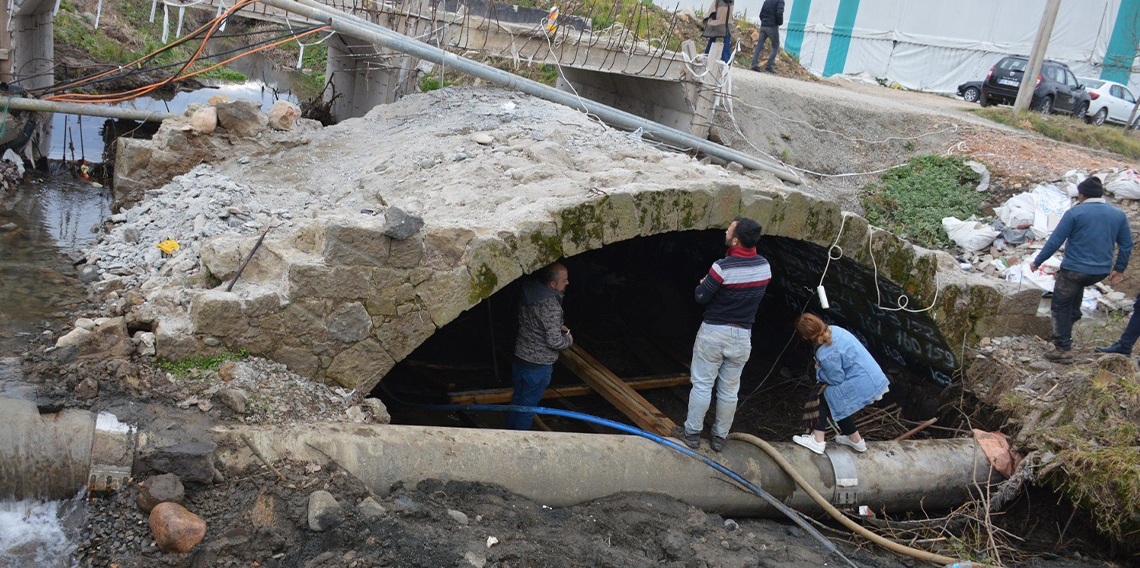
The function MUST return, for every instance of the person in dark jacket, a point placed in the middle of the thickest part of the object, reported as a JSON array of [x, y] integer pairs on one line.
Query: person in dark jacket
[[847, 379], [1091, 231], [718, 25], [731, 293], [541, 336], [771, 18]]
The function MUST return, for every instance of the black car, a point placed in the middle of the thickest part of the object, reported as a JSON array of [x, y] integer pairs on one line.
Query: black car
[[970, 91], [1057, 88]]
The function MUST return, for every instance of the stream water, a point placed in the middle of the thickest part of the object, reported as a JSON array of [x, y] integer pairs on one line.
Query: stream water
[[55, 215]]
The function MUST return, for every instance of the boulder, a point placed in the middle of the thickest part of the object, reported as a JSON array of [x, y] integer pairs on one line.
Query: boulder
[[204, 120], [235, 399], [86, 389], [88, 273], [175, 529], [144, 343], [283, 115], [370, 509], [324, 511], [457, 516], [165, 488], [241, 117], [377, 411], [190, 461], [399, 225], [106, 339]]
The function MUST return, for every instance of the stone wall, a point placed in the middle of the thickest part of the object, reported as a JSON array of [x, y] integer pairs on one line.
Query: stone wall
[[346, 296]]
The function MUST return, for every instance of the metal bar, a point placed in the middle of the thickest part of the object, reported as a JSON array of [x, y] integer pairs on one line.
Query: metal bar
[[36, 105], [503, 396], [364, 30]]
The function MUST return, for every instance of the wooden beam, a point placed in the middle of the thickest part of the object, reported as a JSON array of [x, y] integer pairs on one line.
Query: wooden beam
[[613, 389], [503, 396]]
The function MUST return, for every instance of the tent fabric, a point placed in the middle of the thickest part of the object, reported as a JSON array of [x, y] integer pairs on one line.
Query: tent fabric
[[934, 45]]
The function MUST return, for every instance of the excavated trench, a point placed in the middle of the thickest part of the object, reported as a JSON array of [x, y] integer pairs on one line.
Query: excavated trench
[[630, 305]]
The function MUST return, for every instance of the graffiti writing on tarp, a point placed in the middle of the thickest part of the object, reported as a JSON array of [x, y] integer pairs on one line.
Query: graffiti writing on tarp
[[908, 339]]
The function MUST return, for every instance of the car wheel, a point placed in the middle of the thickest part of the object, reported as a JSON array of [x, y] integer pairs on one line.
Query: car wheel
[[1100, 116], [1046, 105], [1082, 112], [983, 99], [971, 95]]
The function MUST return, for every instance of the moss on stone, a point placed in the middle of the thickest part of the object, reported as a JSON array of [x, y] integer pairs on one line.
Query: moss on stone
[[549, 246], [582, 225], [483, 283]]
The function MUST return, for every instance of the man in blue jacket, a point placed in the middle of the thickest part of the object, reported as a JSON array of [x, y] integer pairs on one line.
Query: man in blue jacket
[[771, 18], [1090, 231]]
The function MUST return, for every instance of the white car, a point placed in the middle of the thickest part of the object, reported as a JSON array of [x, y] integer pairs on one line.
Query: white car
[[1111, 101]]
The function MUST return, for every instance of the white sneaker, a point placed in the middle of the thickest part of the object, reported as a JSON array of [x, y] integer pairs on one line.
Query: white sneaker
[[808, 441], [860, 446]]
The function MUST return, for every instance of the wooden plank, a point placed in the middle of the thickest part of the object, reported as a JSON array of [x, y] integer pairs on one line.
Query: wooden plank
[[625, 399], [503, 396]]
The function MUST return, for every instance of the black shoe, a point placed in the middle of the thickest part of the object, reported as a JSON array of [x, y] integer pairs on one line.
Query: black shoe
[[691, 440], [1115, 348], [769, 70], [756, 69], [716, 443]]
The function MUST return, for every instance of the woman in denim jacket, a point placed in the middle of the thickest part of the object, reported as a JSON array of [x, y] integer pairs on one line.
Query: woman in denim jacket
[[847, 379]]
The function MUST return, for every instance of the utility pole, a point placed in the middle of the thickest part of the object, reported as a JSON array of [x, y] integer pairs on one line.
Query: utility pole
[[1036, 57]]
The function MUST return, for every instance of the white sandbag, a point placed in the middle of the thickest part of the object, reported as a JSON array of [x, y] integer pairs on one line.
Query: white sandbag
[[1052, 203], [1090, 301], [981, 170], [1018, 212], [1124, 185], [1042, 278], [970, 235], [1071, 180]]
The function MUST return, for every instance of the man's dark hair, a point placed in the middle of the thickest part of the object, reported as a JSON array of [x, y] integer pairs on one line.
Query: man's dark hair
[[549, 274], [748, 231]]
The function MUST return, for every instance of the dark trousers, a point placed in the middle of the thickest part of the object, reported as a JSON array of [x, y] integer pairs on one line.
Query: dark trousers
[[726, 53], [847, 426], [1068, 291], [767, 33], [1132, 330], [530, 384]]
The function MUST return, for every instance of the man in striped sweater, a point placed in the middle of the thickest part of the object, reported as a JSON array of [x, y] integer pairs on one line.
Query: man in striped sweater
[[732, 291]]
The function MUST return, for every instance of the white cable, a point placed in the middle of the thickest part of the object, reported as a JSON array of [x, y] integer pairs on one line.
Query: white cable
[[153, 5], [165, 22], [98, 12], [903, 299]]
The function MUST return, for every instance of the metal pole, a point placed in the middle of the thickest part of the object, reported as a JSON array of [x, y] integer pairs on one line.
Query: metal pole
[[367, 31], [84, 109], [1036, 57]]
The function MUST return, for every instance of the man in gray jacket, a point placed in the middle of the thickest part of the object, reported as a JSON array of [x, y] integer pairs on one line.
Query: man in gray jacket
[[541, 336]]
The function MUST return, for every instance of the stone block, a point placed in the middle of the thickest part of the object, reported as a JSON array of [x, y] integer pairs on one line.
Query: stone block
[[304, 319], [581, 228], [399, 224], [190, 461], [619, 210], [657, 212], [360, 366], [300, 360], [241, 117], [444, 248], [356, 240], [218, 313], [260, 303], [348, 283], [402, 334], [349, 322], [446, 295], [406, 253], [538, 244], [764, 208], [493, 264]]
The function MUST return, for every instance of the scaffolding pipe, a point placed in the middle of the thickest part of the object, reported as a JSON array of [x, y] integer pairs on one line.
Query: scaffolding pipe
[[84, 109], [362, 29]]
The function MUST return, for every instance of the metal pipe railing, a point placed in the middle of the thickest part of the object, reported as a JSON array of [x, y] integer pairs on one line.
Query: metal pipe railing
[[362, 29], [37, 105]]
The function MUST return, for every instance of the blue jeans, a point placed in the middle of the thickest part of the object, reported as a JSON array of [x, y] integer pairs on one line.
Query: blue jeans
[[530, 384], [1132, 330], [1068, 291], [725, 53], [719, 355]]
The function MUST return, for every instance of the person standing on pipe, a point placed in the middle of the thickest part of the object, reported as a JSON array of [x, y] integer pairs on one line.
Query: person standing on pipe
[[541, 336], [1090, 230], [771, 18], [718, 25], [847, 379], [732, 291]]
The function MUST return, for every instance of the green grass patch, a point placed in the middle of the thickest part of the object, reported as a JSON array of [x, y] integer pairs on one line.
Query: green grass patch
[[1068, 129], [912, 200], [430, 83], [183, 367], [224, 73]]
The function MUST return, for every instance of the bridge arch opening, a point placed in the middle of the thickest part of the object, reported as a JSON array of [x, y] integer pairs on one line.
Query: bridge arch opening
[[630, 305]]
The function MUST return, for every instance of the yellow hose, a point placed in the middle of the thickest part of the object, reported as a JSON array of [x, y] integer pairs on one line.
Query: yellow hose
[[843, 519]]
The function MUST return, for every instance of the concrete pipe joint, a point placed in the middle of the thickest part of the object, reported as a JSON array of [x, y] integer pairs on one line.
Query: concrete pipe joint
[[562, 469], [54, 456]]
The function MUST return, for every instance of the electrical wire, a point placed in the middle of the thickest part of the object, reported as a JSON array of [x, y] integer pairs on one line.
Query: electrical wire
[[793, 515]]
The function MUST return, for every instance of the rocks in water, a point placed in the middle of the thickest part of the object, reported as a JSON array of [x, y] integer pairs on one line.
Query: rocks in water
[[88, 273], [165, 488], [241, 117], [370, 509], [176, 529], [283, 115], [324, 511]]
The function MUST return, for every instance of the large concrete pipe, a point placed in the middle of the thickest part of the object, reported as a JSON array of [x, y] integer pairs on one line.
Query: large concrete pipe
[[562, 469], [56, 455]]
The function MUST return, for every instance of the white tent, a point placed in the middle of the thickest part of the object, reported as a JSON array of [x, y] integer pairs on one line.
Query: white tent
[[933, 45]]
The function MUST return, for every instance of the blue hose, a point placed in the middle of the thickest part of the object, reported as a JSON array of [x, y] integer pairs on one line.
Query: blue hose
[[791, 514]]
